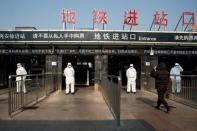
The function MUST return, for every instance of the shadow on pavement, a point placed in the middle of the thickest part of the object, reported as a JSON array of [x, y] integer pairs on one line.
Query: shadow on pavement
[[74, 125], [151, 102], [146, 101]]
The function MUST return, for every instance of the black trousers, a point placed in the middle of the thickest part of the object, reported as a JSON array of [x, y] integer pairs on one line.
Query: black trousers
[[161, 98]]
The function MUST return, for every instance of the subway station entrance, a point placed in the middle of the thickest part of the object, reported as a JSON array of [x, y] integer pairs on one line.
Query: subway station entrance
[[93, 51], [98, 57]]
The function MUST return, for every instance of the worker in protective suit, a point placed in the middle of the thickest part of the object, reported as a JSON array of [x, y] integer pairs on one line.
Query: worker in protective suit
[[175, 76], [20, 80], [131, 79], [69, 73]]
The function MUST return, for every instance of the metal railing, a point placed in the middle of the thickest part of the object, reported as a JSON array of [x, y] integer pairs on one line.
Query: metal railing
[[28, 90], [111, 90], [187, 89]]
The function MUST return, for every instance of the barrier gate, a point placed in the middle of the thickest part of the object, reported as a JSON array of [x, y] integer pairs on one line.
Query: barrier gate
[[111, 90], [31, 90], [186, 90]]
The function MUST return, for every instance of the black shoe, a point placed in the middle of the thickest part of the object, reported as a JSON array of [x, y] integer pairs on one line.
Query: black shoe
[[168, 109], [157, 107], [73, 93]]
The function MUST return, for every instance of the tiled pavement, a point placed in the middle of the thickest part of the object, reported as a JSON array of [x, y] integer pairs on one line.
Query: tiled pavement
[[86, 110]]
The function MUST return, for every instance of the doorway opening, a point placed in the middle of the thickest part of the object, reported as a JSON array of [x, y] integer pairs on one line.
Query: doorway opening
[[120, 64], [84, 69]]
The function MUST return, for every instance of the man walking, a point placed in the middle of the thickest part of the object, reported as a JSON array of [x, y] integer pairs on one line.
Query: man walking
[[161, 76]]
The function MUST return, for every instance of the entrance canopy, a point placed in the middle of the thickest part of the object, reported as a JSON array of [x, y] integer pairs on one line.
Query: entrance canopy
[[97, 37]]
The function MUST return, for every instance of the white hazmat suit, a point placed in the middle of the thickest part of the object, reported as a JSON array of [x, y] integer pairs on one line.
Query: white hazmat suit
[[175, 76], [69, 73], [131, 79], [20, 80]]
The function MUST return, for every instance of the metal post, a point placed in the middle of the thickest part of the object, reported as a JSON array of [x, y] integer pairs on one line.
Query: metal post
[[178, 23], [37, 87], [151, 25], [9, 98], [118, 100], [45, 85], [87, 81], [159, 28], [64, 25], [131, 27], [21, 92]]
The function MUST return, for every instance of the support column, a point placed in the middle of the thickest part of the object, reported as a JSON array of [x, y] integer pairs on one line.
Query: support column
[[104, 63], [97, 70], [54, 66], [101, 65], [60, 71], [147, 64]]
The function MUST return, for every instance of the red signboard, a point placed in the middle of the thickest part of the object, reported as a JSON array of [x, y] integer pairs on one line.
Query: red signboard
[[160, 18], [190, 20], [130, 18], [99, 17], [68, 16]]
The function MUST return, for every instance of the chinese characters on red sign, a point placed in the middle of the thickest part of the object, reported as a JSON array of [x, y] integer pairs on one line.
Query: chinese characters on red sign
[[160, 19], [189, 15], [68, 16], [99, 17], [130, 18]]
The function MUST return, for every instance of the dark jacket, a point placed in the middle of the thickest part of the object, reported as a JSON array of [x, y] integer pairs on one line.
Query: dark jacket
[[161, 76]]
